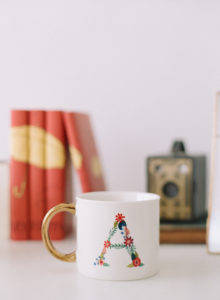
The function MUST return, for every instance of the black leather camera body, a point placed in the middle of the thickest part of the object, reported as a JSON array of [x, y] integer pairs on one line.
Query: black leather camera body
[[180, 180]]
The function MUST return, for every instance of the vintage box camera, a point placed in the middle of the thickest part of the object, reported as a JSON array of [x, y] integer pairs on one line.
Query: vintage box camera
[[180, 180]]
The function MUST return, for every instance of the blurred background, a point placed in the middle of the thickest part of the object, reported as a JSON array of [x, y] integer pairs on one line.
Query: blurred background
[[146, 71]]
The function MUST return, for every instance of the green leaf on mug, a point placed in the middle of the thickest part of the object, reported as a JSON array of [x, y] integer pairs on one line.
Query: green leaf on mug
[[130, 265], [105, 264], [116, 223]]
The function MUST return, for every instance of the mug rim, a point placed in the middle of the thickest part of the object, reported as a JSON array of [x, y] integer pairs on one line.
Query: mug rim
[[139, 197]]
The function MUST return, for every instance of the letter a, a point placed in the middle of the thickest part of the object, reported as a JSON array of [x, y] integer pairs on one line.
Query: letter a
[[128, 244]]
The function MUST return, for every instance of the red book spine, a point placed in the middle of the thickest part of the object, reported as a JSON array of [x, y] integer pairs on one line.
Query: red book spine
[[83, 151], [55, 170], [76, 151], [19, 175], [36, 172]]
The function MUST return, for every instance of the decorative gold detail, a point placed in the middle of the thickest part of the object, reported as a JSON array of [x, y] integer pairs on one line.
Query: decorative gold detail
[[96, 166], [76, 156], [19, 143], [55, 152], [55, 156], [63, 207], [18, 192], [37, 146]]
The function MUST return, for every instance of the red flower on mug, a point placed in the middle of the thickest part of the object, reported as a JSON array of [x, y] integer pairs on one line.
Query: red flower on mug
[[119, 217], [136, 261], [128, 241], [107, 244], [101, 262]]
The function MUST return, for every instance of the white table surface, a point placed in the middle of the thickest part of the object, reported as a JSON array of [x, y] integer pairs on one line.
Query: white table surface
[[28, 271]]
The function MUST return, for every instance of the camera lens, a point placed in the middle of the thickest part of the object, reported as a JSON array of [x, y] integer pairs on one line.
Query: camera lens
[[170, 190]]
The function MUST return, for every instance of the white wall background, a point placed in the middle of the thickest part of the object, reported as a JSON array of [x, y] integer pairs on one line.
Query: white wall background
[[147, 71]]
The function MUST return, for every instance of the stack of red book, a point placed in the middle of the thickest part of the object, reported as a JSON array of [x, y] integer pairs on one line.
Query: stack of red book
[[39, 147]]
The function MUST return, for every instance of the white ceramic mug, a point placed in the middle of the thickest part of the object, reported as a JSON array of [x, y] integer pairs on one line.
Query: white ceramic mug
[[117, 234]]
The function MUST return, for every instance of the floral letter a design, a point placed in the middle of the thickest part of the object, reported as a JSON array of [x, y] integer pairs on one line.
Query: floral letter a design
[[128, 244]]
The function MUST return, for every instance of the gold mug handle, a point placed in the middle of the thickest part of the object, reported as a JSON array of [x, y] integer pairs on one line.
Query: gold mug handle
[[63, 207]]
